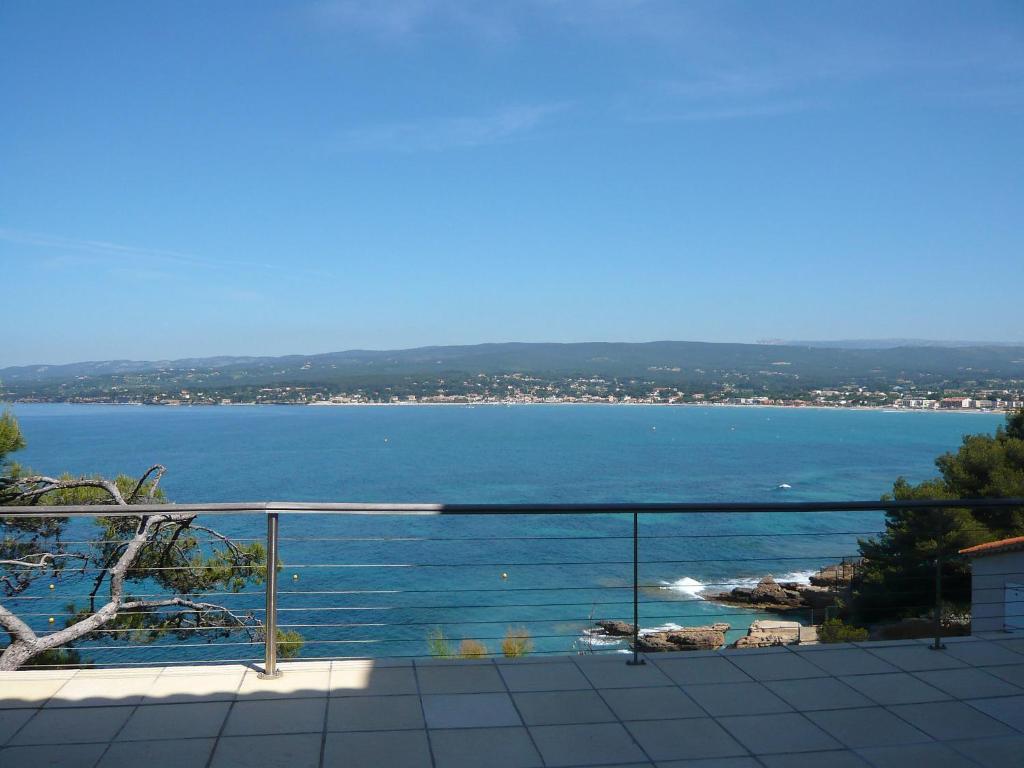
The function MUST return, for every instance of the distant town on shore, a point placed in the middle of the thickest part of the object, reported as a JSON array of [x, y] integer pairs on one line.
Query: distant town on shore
[[925, 377]]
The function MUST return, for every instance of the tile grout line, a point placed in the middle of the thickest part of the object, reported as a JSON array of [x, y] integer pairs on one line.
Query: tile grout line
[[327, 710], [522, 720], [227, 716], [836, 739], [423, 712], [38, 709], [124, 725], [714, 719]]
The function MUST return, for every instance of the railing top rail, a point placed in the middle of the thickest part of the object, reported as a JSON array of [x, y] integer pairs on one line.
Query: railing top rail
[[393, 509]]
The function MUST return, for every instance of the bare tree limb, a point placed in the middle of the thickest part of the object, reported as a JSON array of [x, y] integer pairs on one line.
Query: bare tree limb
[[159, 469], [49, 484], [45, 559]]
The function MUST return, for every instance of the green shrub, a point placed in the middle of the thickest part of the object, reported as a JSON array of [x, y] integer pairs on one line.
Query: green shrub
[[439, 645], [837, 631]]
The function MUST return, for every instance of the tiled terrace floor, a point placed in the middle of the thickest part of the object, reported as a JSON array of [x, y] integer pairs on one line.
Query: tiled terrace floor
[[877, 704]]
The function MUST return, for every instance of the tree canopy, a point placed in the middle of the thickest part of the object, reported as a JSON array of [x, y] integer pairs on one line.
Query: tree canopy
[[145, 575], [898, 575]]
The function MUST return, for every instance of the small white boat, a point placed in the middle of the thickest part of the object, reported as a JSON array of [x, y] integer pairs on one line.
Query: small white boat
[[784, 486]]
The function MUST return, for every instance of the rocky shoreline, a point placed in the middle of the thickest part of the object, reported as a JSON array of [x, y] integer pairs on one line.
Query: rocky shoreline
[[824, 589]]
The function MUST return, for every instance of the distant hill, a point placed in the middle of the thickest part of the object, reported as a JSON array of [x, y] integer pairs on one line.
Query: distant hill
[[670, 361], [892, 343]]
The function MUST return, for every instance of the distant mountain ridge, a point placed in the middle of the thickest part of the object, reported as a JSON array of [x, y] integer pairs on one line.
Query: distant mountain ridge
[[892, 343], [661, 360]]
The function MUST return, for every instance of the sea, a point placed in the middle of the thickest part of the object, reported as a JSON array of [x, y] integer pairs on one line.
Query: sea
[[383, 586]]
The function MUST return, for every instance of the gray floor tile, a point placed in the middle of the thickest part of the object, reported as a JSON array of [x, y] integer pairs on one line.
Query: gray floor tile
[[736, 699], [469, 710], [288, 750], [948, 720], [993, 753], [1007, 709], [28, 691], [849, 661], [175, 753], [868, 727], [308, 683], [484, 748], [651, 703], [543, 677], [917, 658], [895, 688], [1015, 644], [818, 693], [562, 707], [69, 726], [788, 666], [175, 721], [968, 683], [613, 672], [276, 716], [394, 749], [178, 687], [374, 713], [471, 678], [1013, 673], [930, 754], [586, 744], [52, 756], [831, 759], [981, 654], [684, 739], [706, 669], [362, 680], [113, 687], [767, 734], [11, 720]]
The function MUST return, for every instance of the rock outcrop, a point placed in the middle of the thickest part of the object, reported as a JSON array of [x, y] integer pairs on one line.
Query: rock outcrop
[[707, 638], [766, 633], [769, 595], [616, 628], [836, 576]]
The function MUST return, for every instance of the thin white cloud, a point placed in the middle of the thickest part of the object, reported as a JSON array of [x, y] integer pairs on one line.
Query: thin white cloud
[[63, 251], [436, 134], [100, 248]]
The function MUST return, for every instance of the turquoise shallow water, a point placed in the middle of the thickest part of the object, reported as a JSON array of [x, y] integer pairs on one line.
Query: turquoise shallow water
[[561, 572]]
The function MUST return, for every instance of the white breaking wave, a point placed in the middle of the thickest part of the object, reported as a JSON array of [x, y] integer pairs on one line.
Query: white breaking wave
[[597, 639], [694, 589], [663, 628], [800, 577], [687, 586]]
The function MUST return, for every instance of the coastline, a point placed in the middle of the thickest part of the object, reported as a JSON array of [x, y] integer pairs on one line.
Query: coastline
[[509, 404]]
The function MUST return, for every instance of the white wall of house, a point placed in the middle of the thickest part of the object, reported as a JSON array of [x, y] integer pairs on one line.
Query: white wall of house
[[990, 598]]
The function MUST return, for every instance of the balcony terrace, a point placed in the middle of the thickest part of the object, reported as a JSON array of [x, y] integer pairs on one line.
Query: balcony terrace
[[957, 701], [867, 704]]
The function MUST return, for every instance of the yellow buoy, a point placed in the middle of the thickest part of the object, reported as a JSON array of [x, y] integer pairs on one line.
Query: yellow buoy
[[51, 619], [53, 586], [295, 577]]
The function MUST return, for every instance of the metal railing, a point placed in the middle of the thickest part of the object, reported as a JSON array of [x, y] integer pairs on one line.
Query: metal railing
[[632, 512]]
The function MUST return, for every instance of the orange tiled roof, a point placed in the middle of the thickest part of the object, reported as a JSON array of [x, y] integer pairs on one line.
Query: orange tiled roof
[[995, 547]]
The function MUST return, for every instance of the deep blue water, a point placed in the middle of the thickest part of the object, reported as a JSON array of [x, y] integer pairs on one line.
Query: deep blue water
[[561, 572]]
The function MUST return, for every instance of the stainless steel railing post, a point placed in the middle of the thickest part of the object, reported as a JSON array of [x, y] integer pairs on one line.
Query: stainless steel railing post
[[937, 617], [636, 660], [270, 670]]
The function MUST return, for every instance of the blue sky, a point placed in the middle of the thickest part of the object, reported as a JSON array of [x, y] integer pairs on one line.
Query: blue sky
[[188, 179]]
